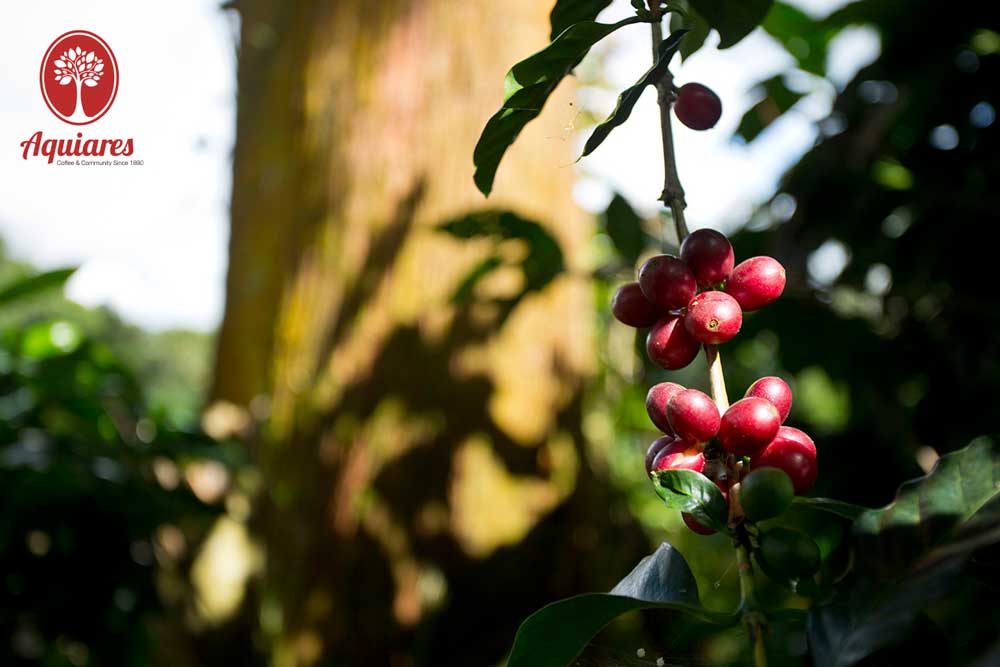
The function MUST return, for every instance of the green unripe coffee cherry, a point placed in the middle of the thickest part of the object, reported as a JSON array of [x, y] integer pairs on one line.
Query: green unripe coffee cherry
[[766, 493], [789, 552]]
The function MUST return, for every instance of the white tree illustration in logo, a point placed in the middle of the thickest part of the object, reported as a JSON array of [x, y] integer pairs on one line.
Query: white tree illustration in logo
[[83, 68]]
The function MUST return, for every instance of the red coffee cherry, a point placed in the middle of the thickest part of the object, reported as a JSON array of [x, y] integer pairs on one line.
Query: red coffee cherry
[[794, 452], [756, 282], [667, 282], [656, 404], [713, 318], [655, 449], [693, 416], [669, 345], [696, 527], [679, 455], [748, 426], [693, 523], [697, 106], [710, 256], [776, 390], [632, 308]]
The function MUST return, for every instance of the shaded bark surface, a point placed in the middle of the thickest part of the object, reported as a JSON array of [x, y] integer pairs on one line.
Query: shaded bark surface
[[424, 482]]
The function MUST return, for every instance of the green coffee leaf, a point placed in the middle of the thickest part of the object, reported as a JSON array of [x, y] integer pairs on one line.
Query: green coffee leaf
[[568, 12], [692, 492], [628, 98], [556, 634], [527, 87], [34, 284], [698, 28], [909, 554], [838, 507], [733, 20]]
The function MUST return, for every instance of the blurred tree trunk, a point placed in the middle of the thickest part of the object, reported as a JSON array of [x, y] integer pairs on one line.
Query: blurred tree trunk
[[408, 442]]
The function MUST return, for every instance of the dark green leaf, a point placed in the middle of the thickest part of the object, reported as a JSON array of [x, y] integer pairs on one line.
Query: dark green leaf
[[34, 284], [557, 633], [692, 492], [624, 226], [930, 509], [909, 554], [628, 98], [527, 87], [805, 586], [568, 12], [777, 100], [698, 28], [838, 507], [544, 259], [733, 20]]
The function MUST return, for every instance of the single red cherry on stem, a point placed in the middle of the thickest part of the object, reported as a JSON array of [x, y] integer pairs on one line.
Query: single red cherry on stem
[[669, 344], [748, 426], [655, 449], [713, 318], [756, 282], [776, 390], [693, 416], [679, 455], [667, 282], [794, 452], [710, 256], [630, 307], [656, 404], [697, 106]]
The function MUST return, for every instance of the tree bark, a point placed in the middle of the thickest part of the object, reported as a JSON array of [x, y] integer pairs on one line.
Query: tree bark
[[408, 442]]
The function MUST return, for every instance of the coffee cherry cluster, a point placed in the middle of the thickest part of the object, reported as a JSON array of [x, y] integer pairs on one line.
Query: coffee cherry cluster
[[697, 298], [751, 433]]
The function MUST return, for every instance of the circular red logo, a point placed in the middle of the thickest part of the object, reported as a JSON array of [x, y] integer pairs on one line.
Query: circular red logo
[[79, 77]]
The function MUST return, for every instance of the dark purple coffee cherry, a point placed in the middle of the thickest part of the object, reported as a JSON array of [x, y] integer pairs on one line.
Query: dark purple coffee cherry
[[697, 106], [667, 282], [632, 308], [709, 255]]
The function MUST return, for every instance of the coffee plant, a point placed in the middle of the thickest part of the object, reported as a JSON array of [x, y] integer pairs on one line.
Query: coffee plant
[[737, 468]]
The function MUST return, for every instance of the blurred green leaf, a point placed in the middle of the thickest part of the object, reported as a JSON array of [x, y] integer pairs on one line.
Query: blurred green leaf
[[557, 633], [777, 100], [698, 31], [527, 87], [692, 492], [805, 38], [34, 284], [733, 20], [50, 339], [624, 226], [567, 12], [628, 98]]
